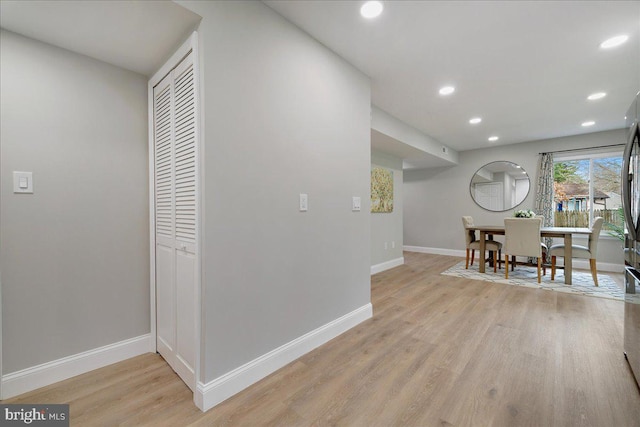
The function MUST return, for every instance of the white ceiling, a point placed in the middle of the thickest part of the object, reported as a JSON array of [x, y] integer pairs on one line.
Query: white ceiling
[[134, 35], [509, 168], [525, 67]]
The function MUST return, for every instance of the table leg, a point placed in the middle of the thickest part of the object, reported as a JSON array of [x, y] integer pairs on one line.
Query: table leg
[[568, 258], [481, 265]]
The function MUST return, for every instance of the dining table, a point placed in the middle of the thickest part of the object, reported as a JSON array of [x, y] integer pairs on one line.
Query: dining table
[[488, 231]]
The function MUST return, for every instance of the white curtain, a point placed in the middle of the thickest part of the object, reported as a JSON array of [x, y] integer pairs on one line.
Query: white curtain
[[544, 192]]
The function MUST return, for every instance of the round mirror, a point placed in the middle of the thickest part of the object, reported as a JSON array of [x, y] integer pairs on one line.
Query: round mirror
[[499, 186]]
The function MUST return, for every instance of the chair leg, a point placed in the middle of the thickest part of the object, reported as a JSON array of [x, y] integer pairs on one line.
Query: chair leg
[[594, 273], [506, 266], [553, 267], [513, 263], [499, 257], [466, 265], [539, 266], [473, 255], [496, 260]]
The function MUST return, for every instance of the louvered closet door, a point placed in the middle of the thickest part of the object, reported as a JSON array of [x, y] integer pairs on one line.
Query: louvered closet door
[[175, 218]]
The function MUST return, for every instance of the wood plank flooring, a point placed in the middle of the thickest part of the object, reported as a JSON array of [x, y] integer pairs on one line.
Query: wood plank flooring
[[439, 351]]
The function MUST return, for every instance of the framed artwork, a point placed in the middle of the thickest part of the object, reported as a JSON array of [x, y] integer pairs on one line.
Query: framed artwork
[[381, 190]]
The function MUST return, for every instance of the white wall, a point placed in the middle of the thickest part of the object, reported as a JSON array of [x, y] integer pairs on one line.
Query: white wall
[[75, 253], [283, 115], [441, 196], [386, 124], [387, 227]]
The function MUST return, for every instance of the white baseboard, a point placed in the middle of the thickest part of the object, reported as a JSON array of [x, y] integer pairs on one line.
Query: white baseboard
[[378, 268], [29, 379], [436, 251], [214, 392], [577, 263]]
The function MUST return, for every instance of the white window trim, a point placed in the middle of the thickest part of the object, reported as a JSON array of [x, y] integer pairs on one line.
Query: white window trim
[[588, 154], [591, 155]]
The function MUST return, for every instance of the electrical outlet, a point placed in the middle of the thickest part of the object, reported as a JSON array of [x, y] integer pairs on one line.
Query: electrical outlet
[[393, 245], [386, 246]]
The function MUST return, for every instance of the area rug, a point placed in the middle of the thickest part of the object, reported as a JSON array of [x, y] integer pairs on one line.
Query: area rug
[[528, 277]]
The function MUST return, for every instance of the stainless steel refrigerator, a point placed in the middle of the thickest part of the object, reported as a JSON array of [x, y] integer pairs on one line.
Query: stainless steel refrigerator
[[631, 206]]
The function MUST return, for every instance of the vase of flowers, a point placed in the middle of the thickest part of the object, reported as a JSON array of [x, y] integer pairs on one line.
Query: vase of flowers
[[528, 213]]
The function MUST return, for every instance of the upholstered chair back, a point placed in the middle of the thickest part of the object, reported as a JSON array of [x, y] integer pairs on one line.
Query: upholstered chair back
[[594, 236], [469, 235], [522, 236]]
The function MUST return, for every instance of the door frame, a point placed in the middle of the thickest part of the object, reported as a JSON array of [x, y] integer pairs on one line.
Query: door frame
[[190, 45]]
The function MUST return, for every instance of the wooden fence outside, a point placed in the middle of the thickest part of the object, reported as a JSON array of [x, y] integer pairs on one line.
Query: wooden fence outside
[[581, 218]]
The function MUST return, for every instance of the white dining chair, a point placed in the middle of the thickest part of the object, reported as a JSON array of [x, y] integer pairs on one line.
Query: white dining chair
[[473, 244], [522, 238], [589, 252]]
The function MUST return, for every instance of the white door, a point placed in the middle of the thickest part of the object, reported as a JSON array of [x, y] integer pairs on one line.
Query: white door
[[175, 218], [490, 196]]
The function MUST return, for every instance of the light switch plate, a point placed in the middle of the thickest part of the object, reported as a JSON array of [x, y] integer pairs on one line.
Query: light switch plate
[[22, 182], [356, 204], [304, 202]]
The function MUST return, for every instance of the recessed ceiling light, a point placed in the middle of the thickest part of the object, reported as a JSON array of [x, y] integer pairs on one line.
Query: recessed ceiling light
[[613, 42], [589, 123], [596, 95], [493, 138], [475, 120], [371, 9], [447, 90]]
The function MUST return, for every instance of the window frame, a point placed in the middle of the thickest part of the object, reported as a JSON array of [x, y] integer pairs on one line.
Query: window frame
[[591, 156]]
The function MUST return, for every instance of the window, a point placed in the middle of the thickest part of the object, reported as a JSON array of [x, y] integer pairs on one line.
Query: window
[[586, 187]]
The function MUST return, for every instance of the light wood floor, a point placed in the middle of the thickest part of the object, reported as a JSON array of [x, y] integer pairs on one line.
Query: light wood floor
[[439, 351]]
